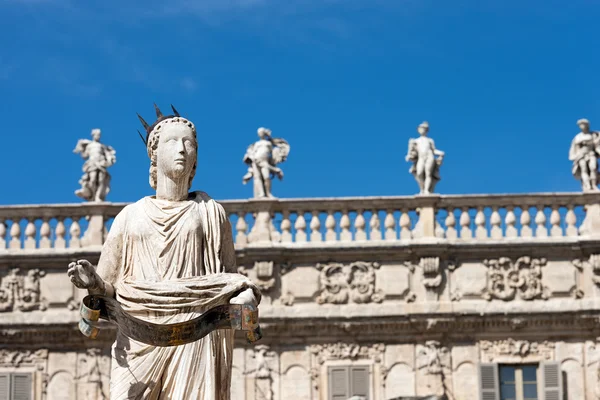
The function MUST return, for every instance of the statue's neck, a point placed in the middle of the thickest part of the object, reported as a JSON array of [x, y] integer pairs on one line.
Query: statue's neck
[[170, 189]]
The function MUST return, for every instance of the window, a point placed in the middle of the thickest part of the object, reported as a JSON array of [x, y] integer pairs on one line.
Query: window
[[15, 386], [520, 382], [346, 382]]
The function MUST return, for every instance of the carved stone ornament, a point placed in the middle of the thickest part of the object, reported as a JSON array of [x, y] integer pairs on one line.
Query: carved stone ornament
[[354, 282], [594, 262], [265, 362], [93, 373], [264, 271], [432, 275], [507, 280], [515, 350], [433, 357], [21, 292], [322, 353], [287, 299], [17, 358]]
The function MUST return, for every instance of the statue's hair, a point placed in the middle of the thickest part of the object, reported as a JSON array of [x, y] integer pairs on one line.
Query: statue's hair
[[152, 146]]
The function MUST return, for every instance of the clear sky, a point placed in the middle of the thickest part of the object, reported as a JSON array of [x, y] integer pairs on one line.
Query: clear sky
[[346, 82]]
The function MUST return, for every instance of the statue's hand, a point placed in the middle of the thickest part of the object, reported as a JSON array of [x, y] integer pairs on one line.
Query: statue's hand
[[279, 173], [83, 275], [246, 297]]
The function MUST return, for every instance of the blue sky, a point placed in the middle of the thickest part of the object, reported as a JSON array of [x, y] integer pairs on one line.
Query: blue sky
[[501, 83]]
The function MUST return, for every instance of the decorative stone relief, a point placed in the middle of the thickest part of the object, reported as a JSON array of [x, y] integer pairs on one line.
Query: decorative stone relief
[[354, 282], [263, 359], [594, 262], [287, 299], [21, 292], [515, 350], [16, 358], [264, 270], [432, 275], [507, 280], [322, 353], [434, 359], [93, 368]]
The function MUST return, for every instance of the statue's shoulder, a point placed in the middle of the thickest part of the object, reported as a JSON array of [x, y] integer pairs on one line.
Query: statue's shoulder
[[203, 198]]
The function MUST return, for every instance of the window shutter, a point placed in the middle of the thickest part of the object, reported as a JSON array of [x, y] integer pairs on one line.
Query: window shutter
[[338, 383], [488, 382], [4, 386], [359, 378], [552, 381], [21, 386]]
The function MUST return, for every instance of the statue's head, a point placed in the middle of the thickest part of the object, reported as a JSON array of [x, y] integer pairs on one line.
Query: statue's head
[[423, 128], [96, 135], [172, 147], [263, 133], [583, 124]]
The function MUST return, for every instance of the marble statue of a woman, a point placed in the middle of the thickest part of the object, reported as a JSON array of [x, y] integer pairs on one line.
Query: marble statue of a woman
[[166, 259]]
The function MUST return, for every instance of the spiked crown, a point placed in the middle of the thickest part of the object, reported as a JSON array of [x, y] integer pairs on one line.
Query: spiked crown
[[159, 118]]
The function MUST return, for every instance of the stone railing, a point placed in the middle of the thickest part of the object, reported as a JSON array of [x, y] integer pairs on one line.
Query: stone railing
[[321, 221]]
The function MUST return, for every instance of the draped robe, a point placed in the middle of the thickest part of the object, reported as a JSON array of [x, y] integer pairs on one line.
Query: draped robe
[[169, 262]]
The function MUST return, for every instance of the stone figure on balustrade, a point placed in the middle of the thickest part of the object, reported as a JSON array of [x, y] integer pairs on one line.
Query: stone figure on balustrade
[[425, 166], [95, 182], [169, 259], [584, 153], [262, 158]]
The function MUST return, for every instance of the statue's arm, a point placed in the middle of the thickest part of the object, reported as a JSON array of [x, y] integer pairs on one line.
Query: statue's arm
[[437, 152], [227, 246], [109, 265]]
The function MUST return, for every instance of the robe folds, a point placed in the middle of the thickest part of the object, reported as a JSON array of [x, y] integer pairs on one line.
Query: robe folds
[[169, 262]]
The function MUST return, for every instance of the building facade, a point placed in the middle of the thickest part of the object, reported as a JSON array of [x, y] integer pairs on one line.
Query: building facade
[[469, 297]]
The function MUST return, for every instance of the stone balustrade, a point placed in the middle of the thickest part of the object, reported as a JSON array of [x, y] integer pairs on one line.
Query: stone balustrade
[[328, 221]]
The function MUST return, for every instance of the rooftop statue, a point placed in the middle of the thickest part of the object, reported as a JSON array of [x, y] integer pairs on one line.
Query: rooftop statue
[[584, 153], [422, 153], [95, 182], [167, 277], [262, 158]]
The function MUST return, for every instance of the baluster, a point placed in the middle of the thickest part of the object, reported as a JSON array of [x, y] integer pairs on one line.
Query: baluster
[[75, 234], [300, 226], [526, 230], [359, 226], [510, 220], [465, 224], [390, 226], [15, 235], [330, 234], [286, 227], [241, 227], [571, 220], [540, 220], [556, 229], [2, 234], [345, 234], [315, 228], [405, 225], [375, 226], [30, 232], [450, 223], [496, 221], [60, 231], [480, 229], [45, 232]]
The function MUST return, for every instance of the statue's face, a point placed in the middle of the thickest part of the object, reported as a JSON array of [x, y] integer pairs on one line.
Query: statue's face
[[584, 127], [96, 136], [176, 152], [422, 130]]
